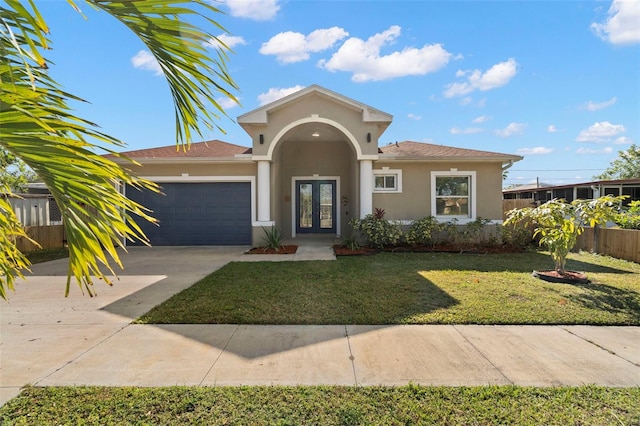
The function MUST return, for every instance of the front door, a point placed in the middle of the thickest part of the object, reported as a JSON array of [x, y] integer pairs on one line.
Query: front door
[[315, 206]]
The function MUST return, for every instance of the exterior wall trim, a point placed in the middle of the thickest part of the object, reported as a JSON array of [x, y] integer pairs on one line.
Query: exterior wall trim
[[278, 137]]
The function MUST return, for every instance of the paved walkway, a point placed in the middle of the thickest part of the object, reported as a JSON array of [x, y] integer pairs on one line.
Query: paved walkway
[[49, 340]]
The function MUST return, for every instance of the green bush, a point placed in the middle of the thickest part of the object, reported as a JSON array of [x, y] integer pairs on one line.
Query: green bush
[[629, 219], [474, 233], [422, 231], [519, 235], [377, 231]]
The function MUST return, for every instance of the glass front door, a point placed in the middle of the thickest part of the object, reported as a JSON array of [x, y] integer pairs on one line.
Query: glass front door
[[315, 206]]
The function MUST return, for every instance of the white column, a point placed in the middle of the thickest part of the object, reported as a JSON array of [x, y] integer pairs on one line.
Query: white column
[[366, 188], [264, 191]]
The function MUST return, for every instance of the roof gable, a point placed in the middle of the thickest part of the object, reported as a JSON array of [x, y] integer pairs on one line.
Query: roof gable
[[260, 115]]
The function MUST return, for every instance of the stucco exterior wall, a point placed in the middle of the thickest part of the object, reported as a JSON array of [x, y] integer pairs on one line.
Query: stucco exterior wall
[[323, 107], [197, 169], [415, 200]]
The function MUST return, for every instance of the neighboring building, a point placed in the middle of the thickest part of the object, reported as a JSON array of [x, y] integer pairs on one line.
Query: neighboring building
[[314, 164], [585, 190]]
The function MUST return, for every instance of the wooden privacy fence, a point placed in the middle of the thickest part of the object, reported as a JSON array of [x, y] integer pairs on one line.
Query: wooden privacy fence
[[47, 236], [614, 242], [516, 204]]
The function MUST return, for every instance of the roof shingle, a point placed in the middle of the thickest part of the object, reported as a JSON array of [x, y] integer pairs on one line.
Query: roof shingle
[[207, 149], [427, 150]]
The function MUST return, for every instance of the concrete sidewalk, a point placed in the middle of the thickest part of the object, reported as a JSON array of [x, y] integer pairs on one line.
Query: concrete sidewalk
[[47, 340]]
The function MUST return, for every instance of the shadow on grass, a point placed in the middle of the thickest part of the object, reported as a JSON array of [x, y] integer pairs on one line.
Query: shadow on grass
[[303, 293], [503, 262], [610, 299]]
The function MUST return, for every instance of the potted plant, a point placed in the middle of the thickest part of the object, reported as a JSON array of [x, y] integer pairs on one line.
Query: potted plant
[[558, 225]]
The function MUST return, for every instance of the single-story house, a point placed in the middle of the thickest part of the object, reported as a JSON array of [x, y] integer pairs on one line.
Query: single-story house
[[313, 165], [584, 190]]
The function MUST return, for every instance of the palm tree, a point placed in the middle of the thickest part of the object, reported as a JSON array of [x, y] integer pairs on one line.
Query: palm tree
[[38, 127]]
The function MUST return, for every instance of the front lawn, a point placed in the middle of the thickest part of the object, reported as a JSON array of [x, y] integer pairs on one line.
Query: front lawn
[[45, 255], [409, 288], [325, 405]]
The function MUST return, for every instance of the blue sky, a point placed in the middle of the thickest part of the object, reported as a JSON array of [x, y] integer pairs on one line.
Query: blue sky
[[557, 82]]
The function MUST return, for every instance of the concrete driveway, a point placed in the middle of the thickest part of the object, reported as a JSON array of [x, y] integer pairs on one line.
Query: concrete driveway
[[42, 331], [49, 340]]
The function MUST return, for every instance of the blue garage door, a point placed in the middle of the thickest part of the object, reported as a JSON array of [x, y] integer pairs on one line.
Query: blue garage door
[[198, 213]]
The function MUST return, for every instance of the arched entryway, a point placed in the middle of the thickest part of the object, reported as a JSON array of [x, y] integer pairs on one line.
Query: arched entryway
[[314, 169]]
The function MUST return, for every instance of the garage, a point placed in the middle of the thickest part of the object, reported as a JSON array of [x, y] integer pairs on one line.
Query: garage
[[197, 213]]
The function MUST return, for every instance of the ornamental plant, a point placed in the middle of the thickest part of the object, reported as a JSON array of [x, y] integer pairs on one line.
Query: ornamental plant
[[422, 231], [630, 217], [559, 223], [376, 230]]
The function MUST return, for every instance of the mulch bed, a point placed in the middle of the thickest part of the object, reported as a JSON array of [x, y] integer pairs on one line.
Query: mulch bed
[[440, 248], [568, 277], [288, 249], [344, 251]]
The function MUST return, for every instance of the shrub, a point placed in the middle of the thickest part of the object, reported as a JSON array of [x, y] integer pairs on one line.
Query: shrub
[[473, 233], [377, 231], [422, 231], [630, 218], [517, 235]]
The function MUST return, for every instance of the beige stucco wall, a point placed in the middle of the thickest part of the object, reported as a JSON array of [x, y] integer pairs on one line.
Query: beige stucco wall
[[415, 200], [324, 108], [197, 169], [305, 158]]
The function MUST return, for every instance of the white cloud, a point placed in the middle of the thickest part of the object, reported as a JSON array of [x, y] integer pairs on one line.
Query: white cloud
[[606, 150], [622, 25], [229, 40], [600, 132], [146, 61], [538, 150], [276, 93], [227, 103], [291, 47], [363, 58], [511, 129], [496, 76], [551, 128], [481, 119], [592, 106], [622, 140], [257, 10], [414, 117], [467, 131], [466, 100]]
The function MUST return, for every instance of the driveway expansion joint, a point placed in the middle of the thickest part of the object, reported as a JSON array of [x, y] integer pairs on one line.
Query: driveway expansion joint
[[600, 347], [80, 355], [351, 357], [222, 351], [511, 382]]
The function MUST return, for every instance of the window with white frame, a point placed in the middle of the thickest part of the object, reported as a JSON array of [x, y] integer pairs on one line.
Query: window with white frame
[[387, 180], [453, 194]]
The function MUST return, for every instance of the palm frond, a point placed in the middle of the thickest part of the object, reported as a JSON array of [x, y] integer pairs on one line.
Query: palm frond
[[195, 77]]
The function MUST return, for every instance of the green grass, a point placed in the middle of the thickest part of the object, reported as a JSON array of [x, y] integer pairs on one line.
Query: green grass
[[409, 288], [45, 255], [412, 404]]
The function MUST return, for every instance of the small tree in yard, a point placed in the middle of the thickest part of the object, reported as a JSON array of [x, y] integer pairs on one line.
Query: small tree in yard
[[559, 223]]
